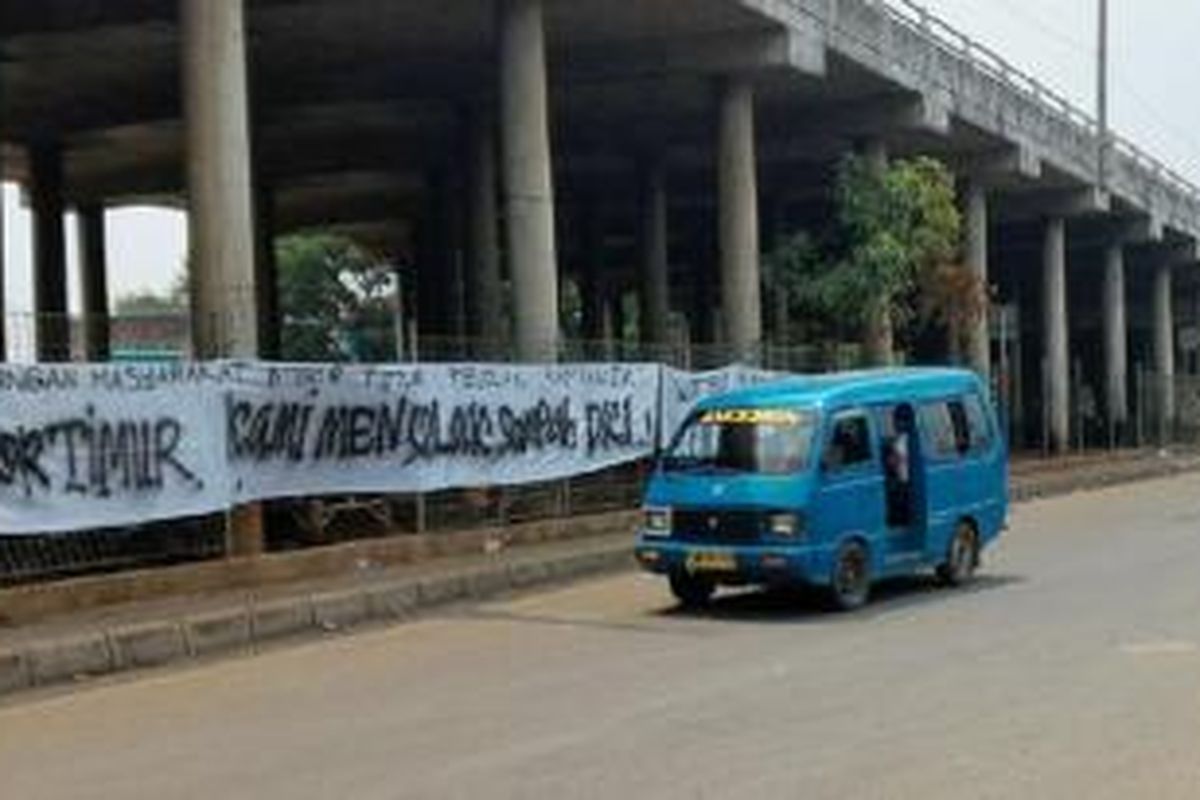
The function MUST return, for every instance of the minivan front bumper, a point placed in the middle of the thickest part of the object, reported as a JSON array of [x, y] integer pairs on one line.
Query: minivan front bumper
[[751, 564]]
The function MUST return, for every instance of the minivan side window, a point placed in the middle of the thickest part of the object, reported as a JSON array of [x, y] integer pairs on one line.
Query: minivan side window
[[850, 442]]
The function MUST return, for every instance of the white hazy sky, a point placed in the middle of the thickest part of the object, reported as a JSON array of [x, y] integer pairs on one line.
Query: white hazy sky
[[1155, 65]]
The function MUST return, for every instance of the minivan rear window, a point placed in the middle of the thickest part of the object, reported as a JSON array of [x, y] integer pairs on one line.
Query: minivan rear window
[[956, 427]]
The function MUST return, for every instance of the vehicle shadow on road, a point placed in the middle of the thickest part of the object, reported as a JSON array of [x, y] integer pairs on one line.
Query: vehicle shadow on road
[[809, 605]]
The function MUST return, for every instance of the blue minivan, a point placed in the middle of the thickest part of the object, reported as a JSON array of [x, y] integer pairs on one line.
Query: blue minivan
[[834, 481]]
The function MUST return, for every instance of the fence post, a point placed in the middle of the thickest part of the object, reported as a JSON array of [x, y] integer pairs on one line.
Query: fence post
[[422, 513], [564, 498], [245, 531]]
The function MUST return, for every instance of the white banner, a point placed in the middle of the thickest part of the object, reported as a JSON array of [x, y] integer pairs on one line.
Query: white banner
[[90, 446], [97, 446], [307, 431]]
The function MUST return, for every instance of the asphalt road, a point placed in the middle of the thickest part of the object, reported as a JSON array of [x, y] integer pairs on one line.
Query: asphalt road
[[1071, 669]]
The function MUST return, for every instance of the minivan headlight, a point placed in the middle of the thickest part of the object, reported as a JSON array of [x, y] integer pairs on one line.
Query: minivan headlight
[[656, 521], [786, 526]]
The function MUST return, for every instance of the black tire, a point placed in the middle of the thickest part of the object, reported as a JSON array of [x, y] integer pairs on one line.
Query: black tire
[[962, 557], [850, 587], [692, 591]]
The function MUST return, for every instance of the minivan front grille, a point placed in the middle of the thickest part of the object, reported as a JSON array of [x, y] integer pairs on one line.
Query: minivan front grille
[[718, 526]]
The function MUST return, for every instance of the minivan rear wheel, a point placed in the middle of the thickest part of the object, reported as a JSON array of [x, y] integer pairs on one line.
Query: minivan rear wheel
[[962, 557], [692, 591]]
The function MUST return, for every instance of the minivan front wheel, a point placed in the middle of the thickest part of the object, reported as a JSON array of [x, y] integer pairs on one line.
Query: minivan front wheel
[[962, 557], [851, 585], [692, 591]]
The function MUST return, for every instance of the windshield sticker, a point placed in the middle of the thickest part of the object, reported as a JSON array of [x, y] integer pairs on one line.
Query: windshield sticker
[[752, 416]]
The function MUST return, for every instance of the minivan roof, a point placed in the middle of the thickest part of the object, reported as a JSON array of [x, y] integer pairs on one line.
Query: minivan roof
[[865, 387]]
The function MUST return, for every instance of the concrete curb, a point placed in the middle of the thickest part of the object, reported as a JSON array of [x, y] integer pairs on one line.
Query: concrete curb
[[254, 624], [1059, 484]]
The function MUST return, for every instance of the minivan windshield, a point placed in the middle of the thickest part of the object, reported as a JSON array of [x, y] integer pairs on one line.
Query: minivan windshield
[[769, 441]]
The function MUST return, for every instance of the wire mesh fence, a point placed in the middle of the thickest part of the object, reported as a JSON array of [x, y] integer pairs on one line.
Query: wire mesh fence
[[47, 557]]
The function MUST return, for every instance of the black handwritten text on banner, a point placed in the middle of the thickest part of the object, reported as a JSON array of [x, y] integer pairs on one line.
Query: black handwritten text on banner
[[88, 446]]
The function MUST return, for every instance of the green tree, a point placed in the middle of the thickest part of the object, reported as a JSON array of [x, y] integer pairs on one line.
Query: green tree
[[891, 256], [336, 300]]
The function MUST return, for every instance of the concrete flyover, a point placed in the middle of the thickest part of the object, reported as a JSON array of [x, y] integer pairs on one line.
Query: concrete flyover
[[650, 148]]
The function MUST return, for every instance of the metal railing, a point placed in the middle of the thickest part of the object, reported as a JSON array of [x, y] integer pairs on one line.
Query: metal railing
[[956, 44], [993, 64]]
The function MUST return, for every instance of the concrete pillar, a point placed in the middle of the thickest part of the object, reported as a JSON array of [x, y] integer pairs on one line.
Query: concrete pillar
[[485, 300], [619, 319], [879, 336], [456, 265], [777, 294], [608, 331], [221, 216], [979, 349], [266, 283], [93, 277], [1116, 337], [223, 276], [1056, 357], [596, 325], [702, 248], [49, 253], [441, 313], [737, 200], [430, 287], [654, 295], [528, 185], [1164, 345]]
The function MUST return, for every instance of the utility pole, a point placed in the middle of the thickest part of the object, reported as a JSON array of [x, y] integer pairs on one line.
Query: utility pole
[[1102, 93]]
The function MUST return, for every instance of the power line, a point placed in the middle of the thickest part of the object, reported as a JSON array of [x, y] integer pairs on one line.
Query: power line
[[1078, 47], [1067, 40]]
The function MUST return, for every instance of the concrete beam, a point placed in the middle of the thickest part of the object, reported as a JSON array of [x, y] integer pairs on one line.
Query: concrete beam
[[998, 168], [711, 54], [447, 76], [1138, 231], [872, 116], [78, 15], [1063, 203]]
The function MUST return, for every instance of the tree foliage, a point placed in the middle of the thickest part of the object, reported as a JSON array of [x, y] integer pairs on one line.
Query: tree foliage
[[894, 241], [336, 300]]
